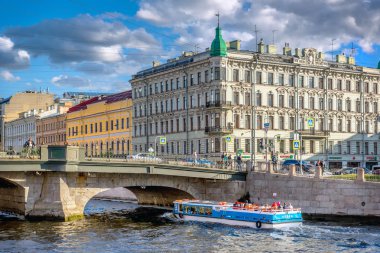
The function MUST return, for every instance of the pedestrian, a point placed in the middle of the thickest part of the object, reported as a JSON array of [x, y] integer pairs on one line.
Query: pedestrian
[[29, 145], [225, 160], [238, 160], [195, 157], [229, 160], [222, 156]]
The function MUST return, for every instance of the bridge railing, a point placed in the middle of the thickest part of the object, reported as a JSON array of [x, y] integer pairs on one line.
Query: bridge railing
[[189, 162], [33, 153]]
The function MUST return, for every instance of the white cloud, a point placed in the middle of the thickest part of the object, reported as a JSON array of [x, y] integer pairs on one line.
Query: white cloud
[[8, 76], [302, 23], [10, 57], [73, 81]]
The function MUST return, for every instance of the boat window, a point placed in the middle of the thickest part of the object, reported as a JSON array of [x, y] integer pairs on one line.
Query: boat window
[[187, 209], [202, 210], [180, 207], [208, 210], [193, 210]]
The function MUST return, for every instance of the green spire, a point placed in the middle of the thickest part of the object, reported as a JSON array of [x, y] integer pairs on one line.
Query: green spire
[[378, 65], [218, 46]]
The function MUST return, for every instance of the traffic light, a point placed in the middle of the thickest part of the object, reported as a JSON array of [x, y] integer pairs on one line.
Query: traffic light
[[261, 144]]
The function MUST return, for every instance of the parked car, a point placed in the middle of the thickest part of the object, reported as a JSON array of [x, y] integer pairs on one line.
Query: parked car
[[376, 169], [306, 167], [146, 157]]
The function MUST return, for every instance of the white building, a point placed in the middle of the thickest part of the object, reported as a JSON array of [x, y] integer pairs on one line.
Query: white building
[[201, 101], [18, 131]]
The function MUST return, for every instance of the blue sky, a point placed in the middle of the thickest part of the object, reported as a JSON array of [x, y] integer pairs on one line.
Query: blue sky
[[96, 45]]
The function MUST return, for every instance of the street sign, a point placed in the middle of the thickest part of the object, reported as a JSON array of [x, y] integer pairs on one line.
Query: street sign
[[239, 151], [162, 140], [228, 138], [266, 125], [296, 145], [310, 122]]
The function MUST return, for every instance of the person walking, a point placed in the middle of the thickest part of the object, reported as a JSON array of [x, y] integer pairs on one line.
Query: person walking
[[195, 157], [238, 160], [230, 160], [29, 145]]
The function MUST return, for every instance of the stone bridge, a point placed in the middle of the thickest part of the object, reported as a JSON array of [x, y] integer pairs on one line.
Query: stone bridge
[[60, 184]]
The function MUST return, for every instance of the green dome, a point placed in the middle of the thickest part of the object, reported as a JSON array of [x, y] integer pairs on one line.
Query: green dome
[[218, 46]]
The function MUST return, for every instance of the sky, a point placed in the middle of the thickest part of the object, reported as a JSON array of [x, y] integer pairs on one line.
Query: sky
[[97, 45]]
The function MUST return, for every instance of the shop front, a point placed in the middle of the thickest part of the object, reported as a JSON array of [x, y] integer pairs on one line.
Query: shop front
[[335, 162], [371, 161], [353, 164]]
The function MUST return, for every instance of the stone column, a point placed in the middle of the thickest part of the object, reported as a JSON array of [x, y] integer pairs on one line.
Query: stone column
[[292, 170], [318, 172], [270, 168], [360, 175]]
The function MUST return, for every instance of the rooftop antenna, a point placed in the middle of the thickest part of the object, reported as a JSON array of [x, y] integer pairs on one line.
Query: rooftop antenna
[[217, 14], [332, 49], [256, 31], [196, 47], [353, 49], [273, 31]]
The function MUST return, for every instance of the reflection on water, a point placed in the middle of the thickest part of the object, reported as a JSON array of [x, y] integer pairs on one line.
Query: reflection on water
[[120, 227]]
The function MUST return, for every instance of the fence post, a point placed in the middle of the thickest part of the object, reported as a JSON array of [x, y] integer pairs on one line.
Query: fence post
[[318, 172], [292, 170], [360, 175]]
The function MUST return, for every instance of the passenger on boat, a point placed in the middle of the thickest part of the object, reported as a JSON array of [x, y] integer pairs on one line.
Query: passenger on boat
[[274, 205], [290, 206]]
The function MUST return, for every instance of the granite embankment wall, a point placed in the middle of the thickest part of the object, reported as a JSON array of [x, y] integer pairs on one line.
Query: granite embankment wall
[[317, 195]]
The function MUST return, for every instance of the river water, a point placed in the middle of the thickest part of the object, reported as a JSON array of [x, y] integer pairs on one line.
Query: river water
[[120, 227]]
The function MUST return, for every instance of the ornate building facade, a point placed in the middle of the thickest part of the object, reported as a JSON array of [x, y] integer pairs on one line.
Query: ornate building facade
[[219, 101]]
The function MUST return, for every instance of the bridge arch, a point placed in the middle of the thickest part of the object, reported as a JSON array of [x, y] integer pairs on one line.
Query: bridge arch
[[12, 196]]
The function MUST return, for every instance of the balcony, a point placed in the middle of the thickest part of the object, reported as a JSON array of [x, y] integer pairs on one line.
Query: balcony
[[218, 104], [218, 130], [313, 134]]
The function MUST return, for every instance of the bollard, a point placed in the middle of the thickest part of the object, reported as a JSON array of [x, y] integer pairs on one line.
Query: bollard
[[292, 170], [360, 175], [270, 168], [318, 172]]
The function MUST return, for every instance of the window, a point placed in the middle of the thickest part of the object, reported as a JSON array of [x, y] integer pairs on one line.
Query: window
[[236, 98], [358, 126], [375, 107], [247, 98], [301, 102], [348, 105], [281, 79], [357, 86], [339, 84], [248, 121], [321, 104], [191, 79], [366, 107], [259, 122], [281, 99], [271, 122], [311, 82], [301, 80], [281, 122], [358, 106], [340, 125], [236, 75], [198, 79], [366, 87], [177, 83], [258, 99], [247, 76], [291, 123], [270, 99], [330, 84], [339, 105], [270, 78], [330, 102], [348, 145], [291, 79], [167, 85], [258, 77], [348, 127], [217, 73], [311, 103], [162, 86], [320, 82], [375, 88], [358, 147], [348, 85], [206, 76], [291, 101]]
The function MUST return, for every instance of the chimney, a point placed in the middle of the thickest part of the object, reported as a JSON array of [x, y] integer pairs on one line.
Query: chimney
[[155, 63], [298, 52], [286, 50], [351, 60], [341, 58], [235, 45], [271, 49], [261, 46]]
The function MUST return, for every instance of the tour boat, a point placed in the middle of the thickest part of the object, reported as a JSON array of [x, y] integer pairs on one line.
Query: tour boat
[[237, 214]]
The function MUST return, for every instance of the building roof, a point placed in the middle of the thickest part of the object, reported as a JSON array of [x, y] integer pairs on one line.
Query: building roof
[[108, 100], [72, 94], [5, 100]]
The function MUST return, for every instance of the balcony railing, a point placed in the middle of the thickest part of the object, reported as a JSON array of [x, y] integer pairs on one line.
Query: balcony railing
[[211, 104], [314, 133], [218, 130]]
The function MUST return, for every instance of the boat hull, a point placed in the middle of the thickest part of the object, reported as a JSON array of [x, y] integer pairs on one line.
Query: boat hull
[[239, 223]]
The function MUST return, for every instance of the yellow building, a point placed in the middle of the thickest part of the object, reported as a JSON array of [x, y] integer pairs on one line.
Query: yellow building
[[103, 125]]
